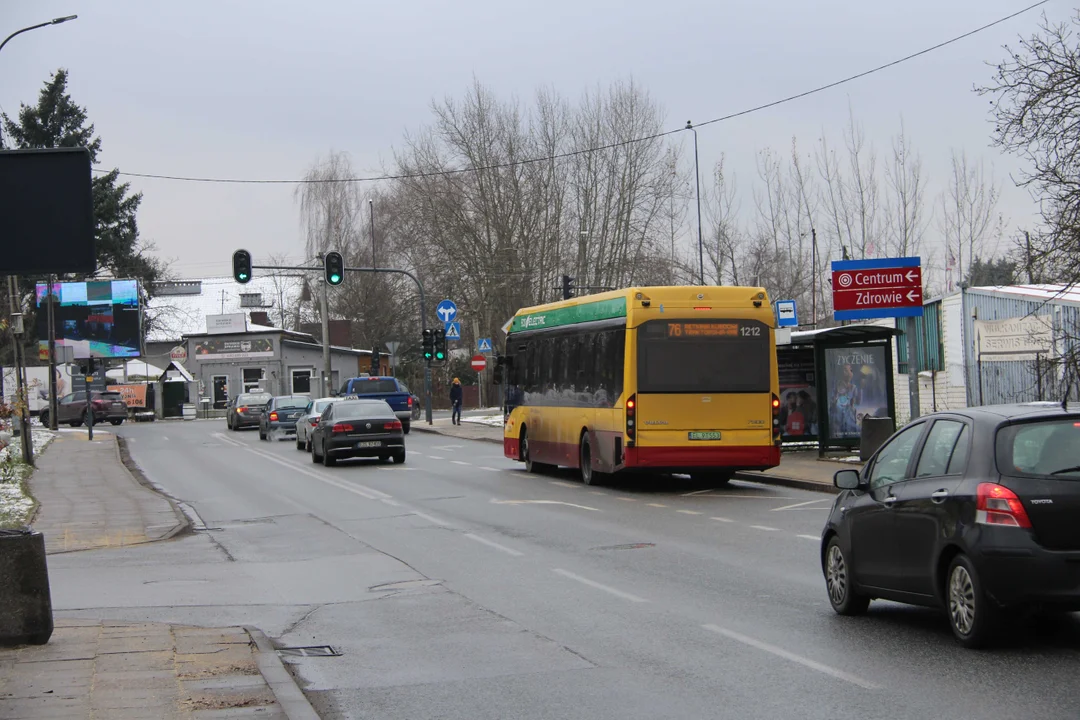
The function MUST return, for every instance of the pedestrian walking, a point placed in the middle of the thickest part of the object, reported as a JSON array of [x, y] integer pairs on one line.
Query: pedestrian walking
[[455, 401]]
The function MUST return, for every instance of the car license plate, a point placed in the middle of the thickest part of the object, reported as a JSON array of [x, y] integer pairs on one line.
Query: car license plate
[[369, 443], [704, 436]]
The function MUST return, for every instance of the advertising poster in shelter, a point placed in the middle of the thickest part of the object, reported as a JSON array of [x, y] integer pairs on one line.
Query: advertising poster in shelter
[[856, 379], [798, 395]]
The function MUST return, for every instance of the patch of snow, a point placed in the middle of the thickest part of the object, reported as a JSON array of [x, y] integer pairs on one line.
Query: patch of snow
[[489, 420], [15, 504]]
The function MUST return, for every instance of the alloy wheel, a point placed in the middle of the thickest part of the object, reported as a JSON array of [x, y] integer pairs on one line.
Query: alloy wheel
[[836, 575], [962, 600]]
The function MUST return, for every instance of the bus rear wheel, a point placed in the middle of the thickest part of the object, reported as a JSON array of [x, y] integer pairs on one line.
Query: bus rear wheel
[[589, 476], [526, 454]]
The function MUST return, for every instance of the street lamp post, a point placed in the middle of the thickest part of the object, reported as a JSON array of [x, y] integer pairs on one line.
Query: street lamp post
[[697, 185], [54, 21]]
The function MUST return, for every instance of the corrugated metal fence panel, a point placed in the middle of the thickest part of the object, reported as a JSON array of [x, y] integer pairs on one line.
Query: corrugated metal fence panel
[[994, 382]]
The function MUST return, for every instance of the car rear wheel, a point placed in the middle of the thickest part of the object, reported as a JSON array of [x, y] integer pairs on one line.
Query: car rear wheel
[[843, 596], [406, 427], [328, 460], [262, 435], [314, 456], [43, 416], [973, 616], [299, 442], [399, 457], [75, 423], [117, 421]]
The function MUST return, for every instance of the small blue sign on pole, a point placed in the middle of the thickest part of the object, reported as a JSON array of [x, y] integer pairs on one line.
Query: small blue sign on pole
[[446, 311], [484, 345], [785, 314], [453, 331]]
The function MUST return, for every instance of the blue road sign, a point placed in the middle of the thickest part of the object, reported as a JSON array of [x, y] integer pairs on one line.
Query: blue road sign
[[453, 331], [446, 311], [785, 314], [484, 345]]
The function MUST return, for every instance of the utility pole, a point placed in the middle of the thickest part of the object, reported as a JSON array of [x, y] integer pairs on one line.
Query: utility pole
[[20, 371], [697, 184], [52, 353], [371, 219], [325, 342], [480, 374]]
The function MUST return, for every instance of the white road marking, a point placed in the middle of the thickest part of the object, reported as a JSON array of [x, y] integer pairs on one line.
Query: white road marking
[[436, 457], [656, 505], [228, 440], [766, 528], [489, 469], [688, 512], [805, 662], [432, 519], [543, 502], [626, 499], [722, 519], [491, 543], [597, 492], [815, 538], [460, 462], [750, 497], [164, 438], [565, 484], [389, 501], [447, 447], [802, 504], [699, 492], [600, 586]]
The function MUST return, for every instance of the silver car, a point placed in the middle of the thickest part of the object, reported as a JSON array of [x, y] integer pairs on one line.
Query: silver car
[[308, 420]]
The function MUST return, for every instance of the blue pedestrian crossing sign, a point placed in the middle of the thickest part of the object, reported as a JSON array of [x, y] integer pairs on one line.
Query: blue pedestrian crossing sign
[[453, 331], [785, 314], [446, 311], [484, 345]]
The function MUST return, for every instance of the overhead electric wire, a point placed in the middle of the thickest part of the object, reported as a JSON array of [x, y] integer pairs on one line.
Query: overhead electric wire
[[600, 148]]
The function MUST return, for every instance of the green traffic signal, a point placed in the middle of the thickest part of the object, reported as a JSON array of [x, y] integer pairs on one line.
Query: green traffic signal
[[241, 260], [334, 266]]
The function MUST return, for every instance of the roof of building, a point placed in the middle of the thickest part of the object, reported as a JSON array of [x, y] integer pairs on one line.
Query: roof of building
[[1051, 293], [180, 307]]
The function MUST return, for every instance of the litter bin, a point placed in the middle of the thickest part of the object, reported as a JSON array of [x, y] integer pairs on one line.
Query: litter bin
[[875, 431], [187, 411], [25, 602]]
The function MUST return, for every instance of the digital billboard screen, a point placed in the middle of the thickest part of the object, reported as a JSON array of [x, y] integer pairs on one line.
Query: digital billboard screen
[[96, 318]]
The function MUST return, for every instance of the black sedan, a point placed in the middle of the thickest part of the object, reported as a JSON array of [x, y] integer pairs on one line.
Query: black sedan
[[245, 410], [357, 428], [281, 414], [976, 512]]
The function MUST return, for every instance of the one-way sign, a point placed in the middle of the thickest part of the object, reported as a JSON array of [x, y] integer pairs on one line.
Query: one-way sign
[[864, 289]]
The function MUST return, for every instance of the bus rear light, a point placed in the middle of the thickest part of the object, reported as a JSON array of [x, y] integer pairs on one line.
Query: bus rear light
[[631, 416], [776, 419]]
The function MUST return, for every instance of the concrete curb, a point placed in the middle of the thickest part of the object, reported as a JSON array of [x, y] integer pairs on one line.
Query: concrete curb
[[124, 455], [440, 431], [289, 696]]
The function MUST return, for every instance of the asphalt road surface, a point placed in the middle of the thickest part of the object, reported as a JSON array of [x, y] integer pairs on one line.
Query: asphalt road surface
[[459, 586]]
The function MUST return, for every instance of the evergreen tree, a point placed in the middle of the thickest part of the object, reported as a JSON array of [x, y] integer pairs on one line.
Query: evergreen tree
[[56, 121], [991, 273]]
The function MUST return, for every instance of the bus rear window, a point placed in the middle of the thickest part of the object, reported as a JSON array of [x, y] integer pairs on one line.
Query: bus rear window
[[703, 356]]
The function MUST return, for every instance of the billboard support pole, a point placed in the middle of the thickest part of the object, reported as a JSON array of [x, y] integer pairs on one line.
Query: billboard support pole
[[20, 376], [52, 355], [89, 399]]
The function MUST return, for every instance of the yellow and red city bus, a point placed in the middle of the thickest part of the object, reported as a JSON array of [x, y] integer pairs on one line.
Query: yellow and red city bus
[[666, 379]]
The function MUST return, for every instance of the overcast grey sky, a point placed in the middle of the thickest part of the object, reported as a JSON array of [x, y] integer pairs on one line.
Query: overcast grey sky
[[260, 89]]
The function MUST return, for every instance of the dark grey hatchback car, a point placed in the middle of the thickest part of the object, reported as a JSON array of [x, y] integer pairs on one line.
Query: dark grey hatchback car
[[975, 511]]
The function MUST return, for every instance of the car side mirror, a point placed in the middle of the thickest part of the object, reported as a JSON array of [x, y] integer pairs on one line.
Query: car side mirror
[[847, 479]]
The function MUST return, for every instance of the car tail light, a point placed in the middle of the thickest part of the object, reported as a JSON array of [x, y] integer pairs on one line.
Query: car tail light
[[396, 425], [241, 409], [314, 421], [98, 403], [342, 427], [410, 401], [631, 420], [776, 419], [273, 415], [998, 505]]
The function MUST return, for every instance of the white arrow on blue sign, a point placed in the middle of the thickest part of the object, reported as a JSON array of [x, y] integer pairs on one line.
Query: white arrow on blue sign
[[484, 345], [453, 331], [446, 311]]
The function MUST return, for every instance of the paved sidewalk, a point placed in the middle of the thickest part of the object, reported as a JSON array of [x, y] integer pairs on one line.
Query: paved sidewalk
[[88, 499], [799, 469], [123, 671]]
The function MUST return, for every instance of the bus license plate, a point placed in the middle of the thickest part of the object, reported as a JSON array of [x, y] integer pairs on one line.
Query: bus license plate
[[369, 444], [704, 436]]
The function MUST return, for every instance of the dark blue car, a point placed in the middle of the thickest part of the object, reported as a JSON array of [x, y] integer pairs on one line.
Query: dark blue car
[[281, 414]]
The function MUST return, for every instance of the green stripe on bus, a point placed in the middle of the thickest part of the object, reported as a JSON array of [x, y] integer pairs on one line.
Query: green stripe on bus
[[586, 312]]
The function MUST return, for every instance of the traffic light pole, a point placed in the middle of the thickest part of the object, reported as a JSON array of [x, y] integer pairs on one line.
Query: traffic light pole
[[423, 313]]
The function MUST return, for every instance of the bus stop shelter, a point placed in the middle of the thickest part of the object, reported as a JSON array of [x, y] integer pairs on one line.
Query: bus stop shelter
[[832, 378]]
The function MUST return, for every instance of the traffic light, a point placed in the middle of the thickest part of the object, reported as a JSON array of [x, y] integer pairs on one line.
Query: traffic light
[[567, 288], [335, 268], [241, 266], [429, 344], [375, 362], [440, 345]]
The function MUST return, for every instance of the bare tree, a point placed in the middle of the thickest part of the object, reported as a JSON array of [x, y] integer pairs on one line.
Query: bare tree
[[970, 222], [724, 246], [904, 206], [850, 195], [1035, 105], [329, 205]]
